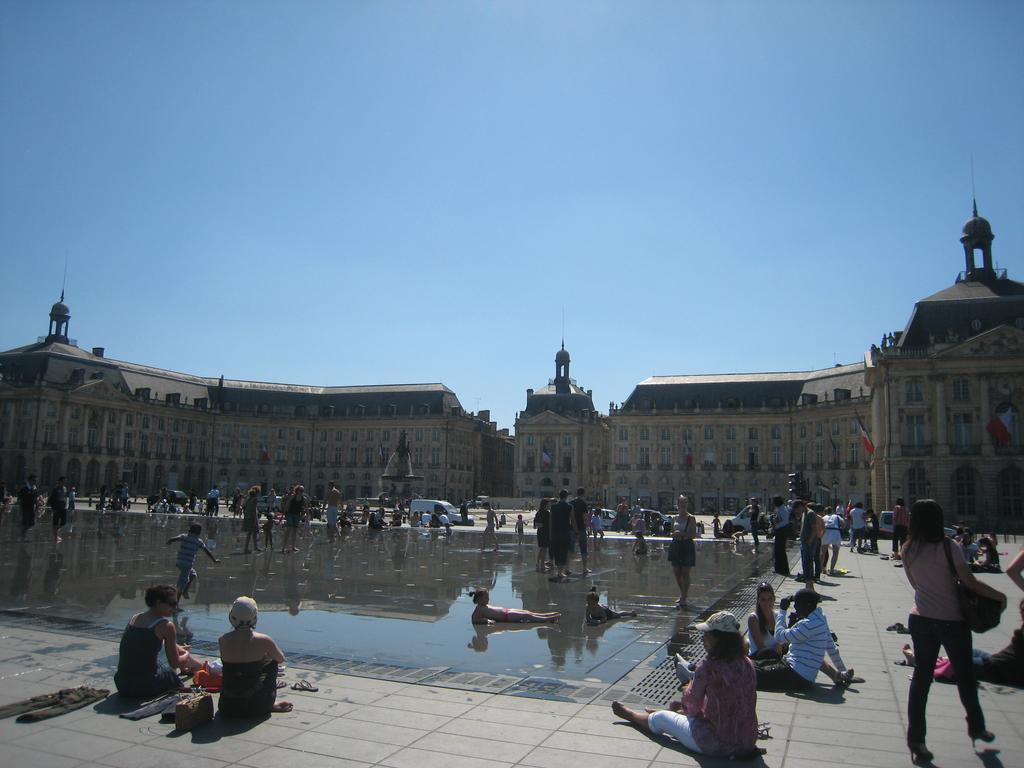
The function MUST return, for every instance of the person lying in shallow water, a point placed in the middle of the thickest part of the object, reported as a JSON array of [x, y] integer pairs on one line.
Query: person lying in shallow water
[[597, 613], [492, 614]]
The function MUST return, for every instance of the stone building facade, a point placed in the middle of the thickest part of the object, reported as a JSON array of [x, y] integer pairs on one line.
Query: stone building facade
[[561, 438], [948, 389], [65, 410], [939, 404]]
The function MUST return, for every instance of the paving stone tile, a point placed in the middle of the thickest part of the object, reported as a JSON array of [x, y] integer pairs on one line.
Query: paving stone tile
[[16, 757], [412, 704], [612, 727], [437, 693], [422, 758], [276, 757], [548, 757], [602, 745], [151, 757], [472, 746], [516, 734], [373, 714], [494, 714], [384, 731], [526, 704], [339, 746], [83, 746]]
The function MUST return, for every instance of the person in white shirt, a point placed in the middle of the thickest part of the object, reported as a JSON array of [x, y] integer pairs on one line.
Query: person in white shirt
[[857, 527], [809, 640]]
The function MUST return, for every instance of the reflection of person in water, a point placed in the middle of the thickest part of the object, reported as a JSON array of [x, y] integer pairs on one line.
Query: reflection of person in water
[[51, 579], [492, 614], [22, 577], [482, 632]]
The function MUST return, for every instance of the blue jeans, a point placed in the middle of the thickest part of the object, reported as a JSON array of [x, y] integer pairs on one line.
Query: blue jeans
[[808, 561], [955, 636]]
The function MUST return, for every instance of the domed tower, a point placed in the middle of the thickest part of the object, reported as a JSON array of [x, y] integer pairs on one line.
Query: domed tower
[[562, 371], [977, 235], [59, 317]]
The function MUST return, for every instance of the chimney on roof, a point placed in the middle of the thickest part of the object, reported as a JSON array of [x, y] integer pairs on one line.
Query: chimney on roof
[[97, 351]]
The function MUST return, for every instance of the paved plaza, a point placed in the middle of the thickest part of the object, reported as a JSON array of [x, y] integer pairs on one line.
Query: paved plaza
[[363, 720]]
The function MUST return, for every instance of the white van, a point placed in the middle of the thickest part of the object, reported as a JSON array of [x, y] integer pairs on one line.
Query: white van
[[418, 506]]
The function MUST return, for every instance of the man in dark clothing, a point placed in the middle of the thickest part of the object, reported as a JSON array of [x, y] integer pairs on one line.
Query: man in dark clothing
[[783, 529], [28, 495], [59, 507], [580, 513], [558, 539]]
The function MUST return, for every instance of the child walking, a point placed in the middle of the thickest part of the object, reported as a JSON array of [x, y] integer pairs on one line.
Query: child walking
[[191, 543], [520, 528], [268, 530]]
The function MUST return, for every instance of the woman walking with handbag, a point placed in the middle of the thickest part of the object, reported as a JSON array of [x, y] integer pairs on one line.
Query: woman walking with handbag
[[938, 620]]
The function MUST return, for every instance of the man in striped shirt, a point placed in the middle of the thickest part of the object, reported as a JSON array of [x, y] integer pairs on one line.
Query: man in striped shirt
[[809, 640]]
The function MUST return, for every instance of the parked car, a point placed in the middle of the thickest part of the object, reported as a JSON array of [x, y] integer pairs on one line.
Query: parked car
[[418, 506], [885, 526], [742, 521]]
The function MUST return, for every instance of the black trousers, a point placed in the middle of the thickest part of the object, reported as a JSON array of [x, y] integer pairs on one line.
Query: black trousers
[[781, 558]]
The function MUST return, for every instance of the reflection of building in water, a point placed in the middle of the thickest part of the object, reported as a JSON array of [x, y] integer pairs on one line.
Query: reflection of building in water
[[403, 574]]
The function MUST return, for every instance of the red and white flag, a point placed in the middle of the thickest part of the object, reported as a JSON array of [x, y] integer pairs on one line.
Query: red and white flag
[[687, 453], [865, 437]]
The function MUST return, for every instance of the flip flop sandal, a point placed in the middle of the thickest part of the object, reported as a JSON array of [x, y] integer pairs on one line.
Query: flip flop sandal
[[304, 685], [898, 628], [281, 684], [764, 730]]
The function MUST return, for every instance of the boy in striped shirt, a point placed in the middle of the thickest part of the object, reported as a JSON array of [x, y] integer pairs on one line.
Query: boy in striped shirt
[[809, 640], [191, 543]]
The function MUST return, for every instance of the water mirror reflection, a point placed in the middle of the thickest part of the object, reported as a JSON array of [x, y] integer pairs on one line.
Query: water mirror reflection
[[394, 596]]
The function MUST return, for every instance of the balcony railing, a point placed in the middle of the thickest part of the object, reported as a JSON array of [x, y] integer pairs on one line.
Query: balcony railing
[[965, 450], [916, 450]]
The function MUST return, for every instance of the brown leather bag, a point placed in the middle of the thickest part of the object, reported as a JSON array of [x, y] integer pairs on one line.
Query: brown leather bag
[[193, 710]]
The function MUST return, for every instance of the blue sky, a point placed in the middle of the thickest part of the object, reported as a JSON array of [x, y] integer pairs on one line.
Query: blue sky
[[388, 192]]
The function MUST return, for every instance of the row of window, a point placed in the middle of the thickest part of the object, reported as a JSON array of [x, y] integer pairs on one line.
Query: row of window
[[913, 390]]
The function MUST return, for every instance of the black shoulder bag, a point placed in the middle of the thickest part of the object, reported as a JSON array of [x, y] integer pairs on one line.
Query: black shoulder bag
[[981, 612]]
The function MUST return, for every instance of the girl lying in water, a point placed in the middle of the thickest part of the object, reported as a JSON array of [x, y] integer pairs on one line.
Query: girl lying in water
[[492, 614], [598, 614]]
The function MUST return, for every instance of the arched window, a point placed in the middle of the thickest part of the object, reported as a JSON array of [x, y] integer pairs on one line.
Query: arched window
[[1008, 486], [963, 491], [917, 484]]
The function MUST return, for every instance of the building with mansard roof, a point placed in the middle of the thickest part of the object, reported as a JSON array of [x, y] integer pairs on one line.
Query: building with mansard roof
[[932, 411], [99, 421]]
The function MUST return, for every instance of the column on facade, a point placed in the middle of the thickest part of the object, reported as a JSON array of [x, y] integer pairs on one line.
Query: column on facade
[[987, 449], [940, 442]]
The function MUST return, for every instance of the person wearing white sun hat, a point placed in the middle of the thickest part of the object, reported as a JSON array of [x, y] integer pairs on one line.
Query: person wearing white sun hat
[[250, 661], [717, 714]]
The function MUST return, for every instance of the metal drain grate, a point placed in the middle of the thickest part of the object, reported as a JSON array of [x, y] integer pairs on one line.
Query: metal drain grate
[[658, 685]]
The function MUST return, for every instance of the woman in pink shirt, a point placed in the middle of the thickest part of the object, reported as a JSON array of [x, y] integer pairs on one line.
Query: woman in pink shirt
[[936, 620], [718, 712]]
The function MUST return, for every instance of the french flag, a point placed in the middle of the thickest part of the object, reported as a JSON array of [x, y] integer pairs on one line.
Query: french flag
[[545, 458], [687, 453], [865, 437], [1001, 426]]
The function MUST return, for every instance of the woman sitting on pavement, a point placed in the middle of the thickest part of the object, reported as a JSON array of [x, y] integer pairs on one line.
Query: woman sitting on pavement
[[761, 626], [250, 666], [139, 674], [809, 640], [717, 715], [492, 614], [986, 559]]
